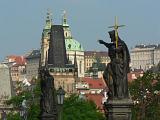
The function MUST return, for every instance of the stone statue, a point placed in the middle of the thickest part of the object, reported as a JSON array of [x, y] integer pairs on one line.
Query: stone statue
[[23, 112], [47, 102], [115, 74]]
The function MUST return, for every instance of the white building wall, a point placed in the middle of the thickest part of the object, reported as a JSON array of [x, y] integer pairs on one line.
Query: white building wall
[[142, 58], [5, 82], [80, 61], [156, 56]]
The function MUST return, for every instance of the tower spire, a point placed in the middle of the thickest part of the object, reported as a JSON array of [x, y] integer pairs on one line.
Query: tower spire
[[48, 20], [46, 37], [64, 18], [67, 31]]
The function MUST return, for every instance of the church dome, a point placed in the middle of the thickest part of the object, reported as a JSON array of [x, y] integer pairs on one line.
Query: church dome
[[73, 45]]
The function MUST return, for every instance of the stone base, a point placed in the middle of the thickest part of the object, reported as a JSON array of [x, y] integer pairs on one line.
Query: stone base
[[48, 117], [119, 109]]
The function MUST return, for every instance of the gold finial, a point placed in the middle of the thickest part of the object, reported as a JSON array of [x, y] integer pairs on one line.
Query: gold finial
[[116, 26]]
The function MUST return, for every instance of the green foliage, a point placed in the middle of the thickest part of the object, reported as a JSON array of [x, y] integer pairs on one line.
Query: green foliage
[[17, 100], [13, 116], [75, 108], [34, 112], [32, 97], [97, 64], [145, 92], [101, 66]]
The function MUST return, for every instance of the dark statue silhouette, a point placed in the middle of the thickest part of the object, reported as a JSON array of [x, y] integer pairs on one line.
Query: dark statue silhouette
[[115, 74], [47, 102]]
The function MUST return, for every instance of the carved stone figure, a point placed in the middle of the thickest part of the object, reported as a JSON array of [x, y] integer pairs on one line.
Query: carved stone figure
[[47, 102], [115, 74]]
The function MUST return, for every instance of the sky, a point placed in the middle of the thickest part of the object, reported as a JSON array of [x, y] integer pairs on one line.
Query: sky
[[22, 22]]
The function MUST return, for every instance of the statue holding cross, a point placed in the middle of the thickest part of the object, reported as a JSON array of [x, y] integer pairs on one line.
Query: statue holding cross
[[115, 74]]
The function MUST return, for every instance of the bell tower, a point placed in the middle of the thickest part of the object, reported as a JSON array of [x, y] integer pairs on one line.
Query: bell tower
[[67, 31]]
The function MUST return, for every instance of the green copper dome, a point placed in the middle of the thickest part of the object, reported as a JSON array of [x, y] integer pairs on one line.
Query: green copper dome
[[73, 45]]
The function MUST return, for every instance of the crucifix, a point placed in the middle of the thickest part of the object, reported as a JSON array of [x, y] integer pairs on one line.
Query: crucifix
[[116, 26]]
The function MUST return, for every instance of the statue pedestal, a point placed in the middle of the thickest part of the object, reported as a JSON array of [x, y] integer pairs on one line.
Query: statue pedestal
[[48, 117], [119, 109]]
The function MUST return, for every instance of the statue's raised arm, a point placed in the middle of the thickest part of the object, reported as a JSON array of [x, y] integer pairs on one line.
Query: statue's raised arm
[[104, 43]]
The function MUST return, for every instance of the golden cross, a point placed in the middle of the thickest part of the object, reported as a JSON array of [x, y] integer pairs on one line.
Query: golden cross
[[116, 26]]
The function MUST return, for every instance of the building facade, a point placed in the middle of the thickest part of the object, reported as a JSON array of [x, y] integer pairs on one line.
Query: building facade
[[64, 73], [145, 56], [157, 55], [32, 64], [91, 56], [17, 66]]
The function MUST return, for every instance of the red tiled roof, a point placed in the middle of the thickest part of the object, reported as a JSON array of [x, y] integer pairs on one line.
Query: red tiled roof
[[19, 60], [97, 99], [134, 75], [95, 83]]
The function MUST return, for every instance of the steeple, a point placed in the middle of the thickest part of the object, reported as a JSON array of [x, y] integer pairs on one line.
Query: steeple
[[48, 20], [67, 31], [64, 19], [45, 38]]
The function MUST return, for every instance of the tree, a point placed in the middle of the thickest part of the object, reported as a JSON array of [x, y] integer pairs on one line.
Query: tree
[[98, 64], [145, 92], [75, 108], [32, 96], [101, 66]]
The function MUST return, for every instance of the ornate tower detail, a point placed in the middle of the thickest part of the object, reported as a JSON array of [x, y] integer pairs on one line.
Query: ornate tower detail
[[46, 37], [67, 31], [75, 66], [73, 46]]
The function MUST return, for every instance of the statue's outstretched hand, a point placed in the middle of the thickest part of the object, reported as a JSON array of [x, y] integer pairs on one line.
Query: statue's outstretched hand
[[101, 41]]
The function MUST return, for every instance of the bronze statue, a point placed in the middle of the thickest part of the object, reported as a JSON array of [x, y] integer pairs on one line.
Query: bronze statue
[[115, 74]]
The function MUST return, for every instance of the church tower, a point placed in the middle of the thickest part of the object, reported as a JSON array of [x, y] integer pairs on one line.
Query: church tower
[[73, 46], [45, 38], [67, 31]]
